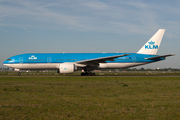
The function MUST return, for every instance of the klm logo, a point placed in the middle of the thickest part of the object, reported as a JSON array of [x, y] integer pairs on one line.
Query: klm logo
[[32, 57], [151, 45]]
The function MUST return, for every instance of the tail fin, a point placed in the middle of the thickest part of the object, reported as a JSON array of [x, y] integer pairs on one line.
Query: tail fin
[[152, 46]]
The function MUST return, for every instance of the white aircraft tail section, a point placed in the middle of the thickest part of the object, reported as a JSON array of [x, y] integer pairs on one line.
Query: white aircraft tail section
[[152, 46]]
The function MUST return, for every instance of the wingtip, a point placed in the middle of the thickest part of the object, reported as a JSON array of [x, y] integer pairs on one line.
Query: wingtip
[[172, 54]]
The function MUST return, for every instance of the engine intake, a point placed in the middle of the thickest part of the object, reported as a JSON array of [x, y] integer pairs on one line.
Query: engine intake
[[67, 68]]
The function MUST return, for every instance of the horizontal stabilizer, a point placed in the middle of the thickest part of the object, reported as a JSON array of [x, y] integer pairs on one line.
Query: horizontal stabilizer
[[163, 56]]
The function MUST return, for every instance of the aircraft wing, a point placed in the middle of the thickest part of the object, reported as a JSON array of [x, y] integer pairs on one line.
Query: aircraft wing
[[163, 56], [96, 61]]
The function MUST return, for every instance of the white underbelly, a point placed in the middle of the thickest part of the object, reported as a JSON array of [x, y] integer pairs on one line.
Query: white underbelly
[[35, 66], [118, 65], [56, 65]]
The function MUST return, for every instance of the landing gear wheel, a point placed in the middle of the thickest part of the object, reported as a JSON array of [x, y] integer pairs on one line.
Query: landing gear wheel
[[93, 74], [88, 74], [19, 74], [82, 74]]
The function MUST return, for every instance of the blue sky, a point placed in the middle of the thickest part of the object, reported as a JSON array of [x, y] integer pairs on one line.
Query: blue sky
[[73, 26]]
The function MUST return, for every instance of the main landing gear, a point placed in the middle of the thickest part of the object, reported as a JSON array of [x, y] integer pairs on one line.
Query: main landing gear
[[19, 74], [87, 74]]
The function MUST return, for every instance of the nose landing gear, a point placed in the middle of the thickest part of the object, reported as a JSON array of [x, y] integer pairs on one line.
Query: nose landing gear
[[19, 74]]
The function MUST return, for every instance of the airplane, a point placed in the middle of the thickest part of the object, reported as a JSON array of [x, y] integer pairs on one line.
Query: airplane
[[66, 63]]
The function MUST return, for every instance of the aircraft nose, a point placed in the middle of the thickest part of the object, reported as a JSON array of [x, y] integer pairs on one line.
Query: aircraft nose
[[6, 63]]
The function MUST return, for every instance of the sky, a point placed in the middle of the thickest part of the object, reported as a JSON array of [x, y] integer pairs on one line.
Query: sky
[[88, 26]]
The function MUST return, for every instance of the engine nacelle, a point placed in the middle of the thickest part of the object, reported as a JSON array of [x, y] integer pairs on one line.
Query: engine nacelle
[[67, 68], [16, 69]]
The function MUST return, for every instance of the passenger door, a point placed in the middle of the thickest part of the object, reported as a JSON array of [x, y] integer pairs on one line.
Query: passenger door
[[21, 60], [49, 60]]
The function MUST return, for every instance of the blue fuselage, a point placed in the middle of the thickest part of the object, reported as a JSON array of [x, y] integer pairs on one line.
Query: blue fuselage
[[53, 58]]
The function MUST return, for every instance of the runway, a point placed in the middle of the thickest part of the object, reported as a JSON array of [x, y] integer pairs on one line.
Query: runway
[[99, 76]]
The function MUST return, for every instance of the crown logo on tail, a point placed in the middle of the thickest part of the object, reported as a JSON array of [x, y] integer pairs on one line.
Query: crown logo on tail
[[151, 43]]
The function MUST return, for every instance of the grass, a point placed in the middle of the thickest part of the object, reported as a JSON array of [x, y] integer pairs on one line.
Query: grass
[[105, 73], [89, 98]]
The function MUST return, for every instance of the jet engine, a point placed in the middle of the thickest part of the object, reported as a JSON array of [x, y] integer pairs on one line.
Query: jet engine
[[67, 68]]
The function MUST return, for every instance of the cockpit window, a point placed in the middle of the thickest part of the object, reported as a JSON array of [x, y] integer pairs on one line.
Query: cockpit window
[[8, 59]]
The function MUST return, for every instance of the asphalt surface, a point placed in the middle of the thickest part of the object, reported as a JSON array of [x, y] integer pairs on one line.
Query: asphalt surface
[[99, 76]]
